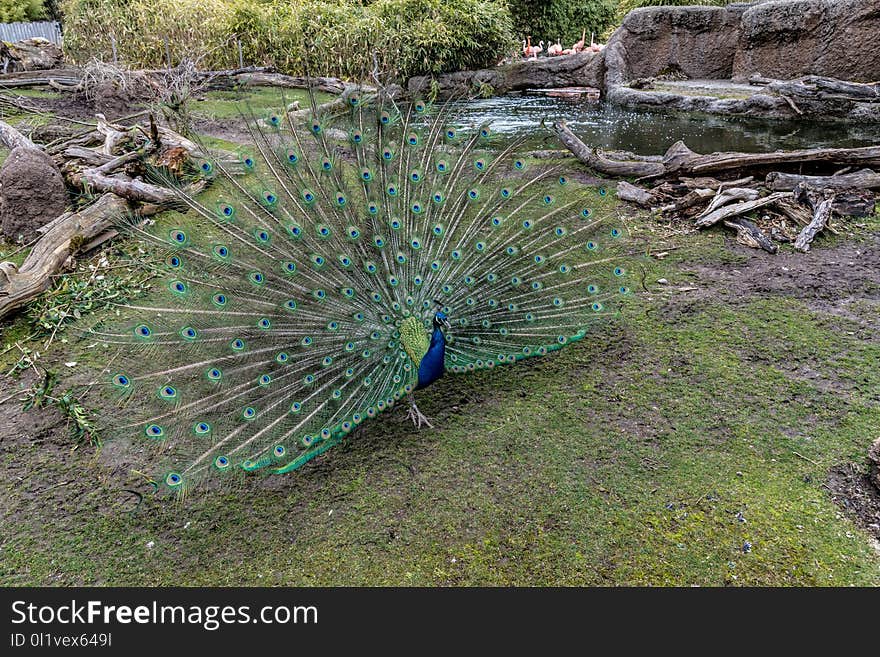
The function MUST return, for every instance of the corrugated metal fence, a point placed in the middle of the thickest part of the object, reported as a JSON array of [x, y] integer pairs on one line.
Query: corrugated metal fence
[[17, 31]]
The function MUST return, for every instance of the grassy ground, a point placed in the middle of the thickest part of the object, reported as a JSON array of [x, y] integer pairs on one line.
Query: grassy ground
[[689, 442]]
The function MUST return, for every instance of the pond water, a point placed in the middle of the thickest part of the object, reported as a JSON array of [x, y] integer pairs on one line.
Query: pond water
[[650, 133]]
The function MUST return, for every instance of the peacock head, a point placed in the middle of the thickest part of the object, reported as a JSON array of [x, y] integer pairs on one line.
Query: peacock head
[[440, 320]]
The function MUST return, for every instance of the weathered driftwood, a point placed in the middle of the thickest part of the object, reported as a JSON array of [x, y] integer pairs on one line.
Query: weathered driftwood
[[20, 285], [749, 234], [634, 194], [737, 209], [134, 190], [853, 203], [39, 78], [223, 80], [863, 179], [12, 138], [689, 200], [728, 195], [593, 159], [820, 204], [725, 162]]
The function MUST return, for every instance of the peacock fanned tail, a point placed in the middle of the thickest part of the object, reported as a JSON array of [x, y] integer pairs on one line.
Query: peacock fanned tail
[[295, 295]]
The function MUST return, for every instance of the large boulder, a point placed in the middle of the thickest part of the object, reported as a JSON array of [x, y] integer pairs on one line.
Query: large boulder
[[789, 38], [581, 69], [697, 42], [32, 193]]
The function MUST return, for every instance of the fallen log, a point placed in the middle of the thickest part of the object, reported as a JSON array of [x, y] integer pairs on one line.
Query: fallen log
[[737, 209], [29, 55], [721, 162], [863, 179], [750, 235], [12, 138], [134, 190], [634, 194], [593, 159], [39, 78], [728, 195], [18, 285]]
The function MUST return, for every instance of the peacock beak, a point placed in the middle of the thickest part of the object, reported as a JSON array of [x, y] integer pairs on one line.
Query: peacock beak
[[446, 323]]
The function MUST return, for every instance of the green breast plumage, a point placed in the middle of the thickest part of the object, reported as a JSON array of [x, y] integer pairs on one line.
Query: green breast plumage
[[415, 340]]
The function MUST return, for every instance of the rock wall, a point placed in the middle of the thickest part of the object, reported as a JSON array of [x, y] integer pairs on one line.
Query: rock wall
[[781, 39], [789, 38]]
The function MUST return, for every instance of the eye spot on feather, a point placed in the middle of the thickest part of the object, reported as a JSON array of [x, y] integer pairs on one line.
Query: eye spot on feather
[[237, 345], [306, 341], [121, 381], [214, 374], [221, 463], [178, 237], [154, 431], [220, 300], [173, 480], [249, 413], [596, 307], [292, 157], [282, 358], [442, 166], [586, 213], [221, 251], [278, 451], [615, 232], [178, 287], [619, 271], [295, 407], [201, 428], [592, 246], [603, 191], [264, 380], [174, 262], [143, 331]]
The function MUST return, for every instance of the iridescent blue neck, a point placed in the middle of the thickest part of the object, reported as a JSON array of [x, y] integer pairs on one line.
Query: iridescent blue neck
[[431, 368]]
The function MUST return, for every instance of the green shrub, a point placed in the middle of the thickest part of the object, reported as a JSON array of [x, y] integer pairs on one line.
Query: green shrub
[[12, 11], [326, 37], [564, 20], [627, 6]]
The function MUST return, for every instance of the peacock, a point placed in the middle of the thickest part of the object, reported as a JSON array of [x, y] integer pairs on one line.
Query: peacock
[[345, 259]]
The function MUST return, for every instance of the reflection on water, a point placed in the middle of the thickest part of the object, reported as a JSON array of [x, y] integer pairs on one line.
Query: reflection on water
[[651, 133]]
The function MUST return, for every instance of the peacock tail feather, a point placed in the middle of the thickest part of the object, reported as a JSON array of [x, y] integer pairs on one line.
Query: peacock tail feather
[[296, 295]]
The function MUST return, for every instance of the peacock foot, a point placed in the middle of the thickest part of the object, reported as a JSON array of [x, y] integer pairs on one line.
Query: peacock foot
[[418, 418]]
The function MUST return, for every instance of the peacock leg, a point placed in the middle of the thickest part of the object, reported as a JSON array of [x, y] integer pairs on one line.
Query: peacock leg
[[418, 418]]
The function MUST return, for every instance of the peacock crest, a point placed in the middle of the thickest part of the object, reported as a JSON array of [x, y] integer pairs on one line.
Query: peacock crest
[[336, 265]]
